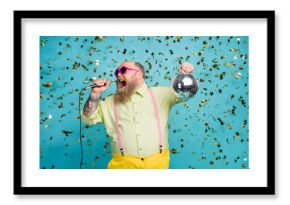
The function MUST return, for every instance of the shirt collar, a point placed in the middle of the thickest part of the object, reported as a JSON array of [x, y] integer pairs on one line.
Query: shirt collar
[[142, 90]]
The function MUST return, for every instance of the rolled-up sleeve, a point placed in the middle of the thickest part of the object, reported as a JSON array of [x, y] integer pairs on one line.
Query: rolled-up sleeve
[[173, 98], [96, 117]]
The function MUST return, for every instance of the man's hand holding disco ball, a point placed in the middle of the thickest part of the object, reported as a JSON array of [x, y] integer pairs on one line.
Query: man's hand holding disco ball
[[185, 84], [186, 68]]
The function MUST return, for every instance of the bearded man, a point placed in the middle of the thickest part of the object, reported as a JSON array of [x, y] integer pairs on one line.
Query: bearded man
[[135, 117]]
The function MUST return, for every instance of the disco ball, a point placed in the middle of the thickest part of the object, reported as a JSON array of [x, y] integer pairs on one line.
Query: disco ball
[[185, 86]]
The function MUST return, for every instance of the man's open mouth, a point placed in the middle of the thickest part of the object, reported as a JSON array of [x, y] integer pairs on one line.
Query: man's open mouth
[[121, 83]]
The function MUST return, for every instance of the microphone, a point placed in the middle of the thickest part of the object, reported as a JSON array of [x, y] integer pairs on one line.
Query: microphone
[[97, 86]]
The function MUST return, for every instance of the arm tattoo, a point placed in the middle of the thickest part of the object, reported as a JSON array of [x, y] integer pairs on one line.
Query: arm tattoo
[[90, 106]]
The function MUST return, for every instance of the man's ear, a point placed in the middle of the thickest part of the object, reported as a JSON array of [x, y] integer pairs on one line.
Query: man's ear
[[139, 74]]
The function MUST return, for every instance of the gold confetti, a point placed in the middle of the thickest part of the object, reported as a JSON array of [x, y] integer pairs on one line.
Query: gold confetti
[[47, 85]]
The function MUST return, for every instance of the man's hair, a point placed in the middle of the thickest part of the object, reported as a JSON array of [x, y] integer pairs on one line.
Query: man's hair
[[141, 67]]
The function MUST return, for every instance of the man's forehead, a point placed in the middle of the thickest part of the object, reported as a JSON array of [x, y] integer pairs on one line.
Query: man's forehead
[[129, 64]]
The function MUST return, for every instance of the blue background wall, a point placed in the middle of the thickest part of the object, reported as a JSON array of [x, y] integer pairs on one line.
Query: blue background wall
[[207, 132]]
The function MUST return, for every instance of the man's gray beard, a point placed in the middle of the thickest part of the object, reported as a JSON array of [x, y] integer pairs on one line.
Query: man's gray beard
[[125, 94]]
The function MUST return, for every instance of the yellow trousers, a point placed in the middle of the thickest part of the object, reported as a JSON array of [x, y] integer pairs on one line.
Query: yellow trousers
[[155, 161]]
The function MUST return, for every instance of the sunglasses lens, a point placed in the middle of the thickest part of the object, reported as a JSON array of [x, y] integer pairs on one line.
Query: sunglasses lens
[[123, 70], [116, 72]]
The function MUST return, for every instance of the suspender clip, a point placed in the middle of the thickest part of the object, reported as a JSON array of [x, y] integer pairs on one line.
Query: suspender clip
[[122, 151], [160, 148]]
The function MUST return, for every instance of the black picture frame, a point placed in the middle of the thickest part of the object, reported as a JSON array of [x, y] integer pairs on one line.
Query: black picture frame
[[269, 16]]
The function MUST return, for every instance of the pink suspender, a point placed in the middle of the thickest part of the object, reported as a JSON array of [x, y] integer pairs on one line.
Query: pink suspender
[[118, 128], [117, 125], [157, 119]]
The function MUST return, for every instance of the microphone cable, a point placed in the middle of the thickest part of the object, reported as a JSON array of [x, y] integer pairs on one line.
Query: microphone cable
[[80, 95]]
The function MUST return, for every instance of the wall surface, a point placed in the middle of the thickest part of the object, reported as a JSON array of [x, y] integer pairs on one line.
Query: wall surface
[[207, 131]]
